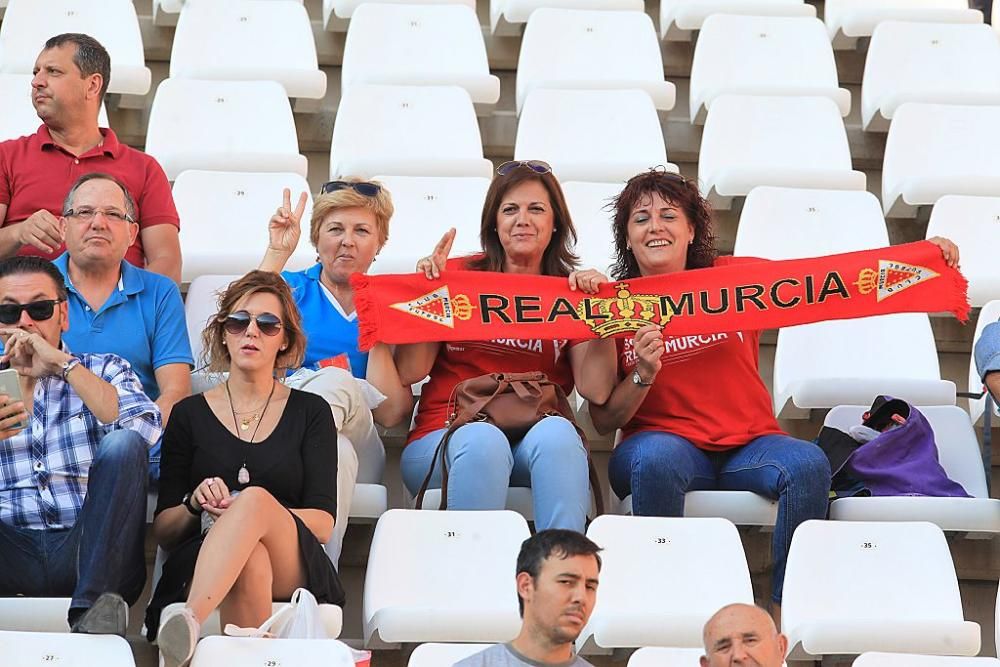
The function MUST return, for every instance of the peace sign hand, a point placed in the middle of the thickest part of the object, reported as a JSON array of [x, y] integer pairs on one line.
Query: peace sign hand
[[284, 228], [432, 264]]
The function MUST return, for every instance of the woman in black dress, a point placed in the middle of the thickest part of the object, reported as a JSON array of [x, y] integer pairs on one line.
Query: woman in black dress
[[258, 458]]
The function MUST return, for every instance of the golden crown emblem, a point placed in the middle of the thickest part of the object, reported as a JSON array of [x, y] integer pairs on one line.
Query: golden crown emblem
[[622, 313], [867, 280], [462, 307]]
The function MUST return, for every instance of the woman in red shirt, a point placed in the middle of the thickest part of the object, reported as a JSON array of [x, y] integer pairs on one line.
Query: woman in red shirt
[[526, 228]]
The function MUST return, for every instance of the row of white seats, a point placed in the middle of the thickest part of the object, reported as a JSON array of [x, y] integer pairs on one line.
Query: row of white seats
[[847, 21], [663, 578]]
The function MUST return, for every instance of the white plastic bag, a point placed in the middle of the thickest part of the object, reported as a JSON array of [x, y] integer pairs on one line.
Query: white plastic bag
[[299, 619]]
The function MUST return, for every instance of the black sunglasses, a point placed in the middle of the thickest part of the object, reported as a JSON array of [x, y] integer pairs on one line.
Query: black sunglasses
[[39, 311], [238, 322], [361, 187], [537, 166]]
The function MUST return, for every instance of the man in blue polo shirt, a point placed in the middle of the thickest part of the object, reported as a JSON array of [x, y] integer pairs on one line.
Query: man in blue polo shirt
[[116, 307]]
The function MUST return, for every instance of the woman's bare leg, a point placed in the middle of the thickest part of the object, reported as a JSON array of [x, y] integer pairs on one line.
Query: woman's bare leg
[[255, 519]]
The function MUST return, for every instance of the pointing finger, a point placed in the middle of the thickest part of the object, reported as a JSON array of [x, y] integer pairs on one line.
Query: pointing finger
[[301, 207], [286, 199]]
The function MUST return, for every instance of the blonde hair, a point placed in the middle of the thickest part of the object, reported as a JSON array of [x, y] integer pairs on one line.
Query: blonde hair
[[216, 354], [380, 205]]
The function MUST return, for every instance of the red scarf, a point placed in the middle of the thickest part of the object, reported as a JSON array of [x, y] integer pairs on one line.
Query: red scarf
[[479, 305]]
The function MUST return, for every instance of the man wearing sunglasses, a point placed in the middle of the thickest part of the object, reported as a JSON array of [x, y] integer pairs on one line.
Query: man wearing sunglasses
[[73, 453], [116, 307], [70, 79]]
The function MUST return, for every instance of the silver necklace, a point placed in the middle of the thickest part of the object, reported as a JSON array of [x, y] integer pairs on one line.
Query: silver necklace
[[243, 476]]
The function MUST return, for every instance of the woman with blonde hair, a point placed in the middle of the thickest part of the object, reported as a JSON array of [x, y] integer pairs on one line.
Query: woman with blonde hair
[[259, 459], [349, 226]]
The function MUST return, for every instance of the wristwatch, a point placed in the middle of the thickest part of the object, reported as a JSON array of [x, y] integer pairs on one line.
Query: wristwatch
[[69, 365], [637, 379], [190, 508]]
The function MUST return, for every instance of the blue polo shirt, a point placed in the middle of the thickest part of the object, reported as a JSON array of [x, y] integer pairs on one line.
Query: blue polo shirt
[[329, 330], [142, 321]]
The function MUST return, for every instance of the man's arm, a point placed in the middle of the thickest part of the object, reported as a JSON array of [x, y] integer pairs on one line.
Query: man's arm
[[174, 381], [98, 395], [162, 247], [41, 230]]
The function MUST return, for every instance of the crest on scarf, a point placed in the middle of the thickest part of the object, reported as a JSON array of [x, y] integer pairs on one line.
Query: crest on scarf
[[623, 312], [439, 307], [892, 278]]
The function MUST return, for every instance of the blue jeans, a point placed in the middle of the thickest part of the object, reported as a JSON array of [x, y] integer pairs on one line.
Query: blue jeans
[[482, 463], [103, 551], [658, 468]]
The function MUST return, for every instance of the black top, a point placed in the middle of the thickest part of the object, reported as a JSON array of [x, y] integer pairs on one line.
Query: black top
[[296, 463]]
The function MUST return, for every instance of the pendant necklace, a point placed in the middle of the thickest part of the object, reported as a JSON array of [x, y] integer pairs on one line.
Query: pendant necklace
[[243, 476]]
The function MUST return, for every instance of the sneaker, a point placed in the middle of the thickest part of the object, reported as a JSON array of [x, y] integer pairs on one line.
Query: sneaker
[[177, 638], [107, 616]]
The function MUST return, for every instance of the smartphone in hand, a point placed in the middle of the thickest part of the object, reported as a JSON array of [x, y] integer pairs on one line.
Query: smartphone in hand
[[11, 386]]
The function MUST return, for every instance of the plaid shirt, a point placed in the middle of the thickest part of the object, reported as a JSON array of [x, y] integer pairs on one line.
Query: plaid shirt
[[44, 468]]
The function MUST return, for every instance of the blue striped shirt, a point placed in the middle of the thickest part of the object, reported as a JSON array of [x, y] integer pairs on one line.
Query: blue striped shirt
[[44, 468]]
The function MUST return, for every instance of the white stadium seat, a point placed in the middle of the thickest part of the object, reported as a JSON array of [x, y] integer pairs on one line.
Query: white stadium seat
[[959, 454], [680, 19], [665, 657], [23, 614], [234, 241], [507, 17], [223, 126], [248, 40], [407, 131], [337, 13], [215, 651], [743, 508], [580, 49], [939, 149], [28, 649], [792, 223], [425, 208], [442, 576], [434, 45], [27, 24], [443, 655], [849, 20], [949, 63], [862, 358], [519, 499], [973, 223], [590, 208], [990, 312], [749, 55], [166, 12], [19, 117], [875, 659], [591, 135], [662, 578], [785, 141], [200, 304], [852, 587]]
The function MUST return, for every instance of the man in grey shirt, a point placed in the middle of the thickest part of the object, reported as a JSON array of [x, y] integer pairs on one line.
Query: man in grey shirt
[[557, 573]]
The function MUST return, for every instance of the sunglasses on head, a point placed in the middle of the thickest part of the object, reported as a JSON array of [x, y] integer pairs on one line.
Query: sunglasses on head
[[238, 322], [361, 187], [536, 166], [39, 311]]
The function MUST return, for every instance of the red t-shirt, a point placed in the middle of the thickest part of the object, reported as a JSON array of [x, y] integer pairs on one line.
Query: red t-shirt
[[708, 390], [464, 360], [37, 174]]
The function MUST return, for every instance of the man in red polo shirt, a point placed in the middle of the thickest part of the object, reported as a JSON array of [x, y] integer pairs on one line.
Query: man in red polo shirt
[[36, 171]]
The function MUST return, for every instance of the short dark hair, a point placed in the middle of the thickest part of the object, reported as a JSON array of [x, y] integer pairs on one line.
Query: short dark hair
[[556, 542], [679, 191], [90, 57], [20, 265], [559, 258], [99, 176]]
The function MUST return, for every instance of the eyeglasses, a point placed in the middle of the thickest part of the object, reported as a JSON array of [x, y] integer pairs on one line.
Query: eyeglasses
[[365, 188], [88, 214], [536, 166], [238, 322], [39, 311]]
